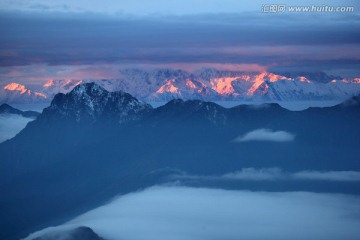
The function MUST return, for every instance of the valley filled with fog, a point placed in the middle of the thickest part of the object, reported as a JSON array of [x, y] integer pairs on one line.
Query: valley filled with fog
[[10, 125], [186, 213]]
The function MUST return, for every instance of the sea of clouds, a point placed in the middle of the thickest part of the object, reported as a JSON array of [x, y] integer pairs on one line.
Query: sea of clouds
[[186, 213], [11, 124]]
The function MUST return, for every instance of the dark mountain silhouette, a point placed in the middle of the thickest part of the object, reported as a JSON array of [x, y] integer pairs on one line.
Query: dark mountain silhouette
[[79, 233], [7, 109], [91, 145]]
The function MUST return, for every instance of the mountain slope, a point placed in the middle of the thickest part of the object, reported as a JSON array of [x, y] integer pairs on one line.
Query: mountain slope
[[91, 145]]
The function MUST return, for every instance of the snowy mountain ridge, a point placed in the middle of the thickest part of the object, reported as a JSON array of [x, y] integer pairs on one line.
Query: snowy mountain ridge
[[210, 85], [18, 93]]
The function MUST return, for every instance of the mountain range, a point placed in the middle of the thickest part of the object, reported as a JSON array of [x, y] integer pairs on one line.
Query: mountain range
[[90, 145], [163, 85]]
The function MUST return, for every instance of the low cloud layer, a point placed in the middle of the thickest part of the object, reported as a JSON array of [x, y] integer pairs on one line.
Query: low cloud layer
[[10, 125], [330, 175], [273, 174], [252, 174], [183, 213], [266, 135]]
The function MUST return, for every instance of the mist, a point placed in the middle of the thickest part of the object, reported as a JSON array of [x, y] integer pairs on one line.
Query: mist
[[10, 125], [184, 213], [275, 174], [266, 135]]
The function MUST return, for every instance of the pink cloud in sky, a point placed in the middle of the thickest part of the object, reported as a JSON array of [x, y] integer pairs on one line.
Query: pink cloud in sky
[[40, 73], [190, 67], [104, 72], [8, 54]]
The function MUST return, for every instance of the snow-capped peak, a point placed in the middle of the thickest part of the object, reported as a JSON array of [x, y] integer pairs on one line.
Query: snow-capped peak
[[168, 87], [208, 84], [18, 93], [16, 87], [52, 87], [223, 86], [49, 83]]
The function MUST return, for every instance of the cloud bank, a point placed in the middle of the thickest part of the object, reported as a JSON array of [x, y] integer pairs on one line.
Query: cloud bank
[[266, 135], [274, 174], [183, 213], [252, 174], [330, 175], [277, 42], [10, 125]]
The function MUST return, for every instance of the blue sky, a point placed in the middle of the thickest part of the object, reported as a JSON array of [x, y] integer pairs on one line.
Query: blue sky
[[61, 39]]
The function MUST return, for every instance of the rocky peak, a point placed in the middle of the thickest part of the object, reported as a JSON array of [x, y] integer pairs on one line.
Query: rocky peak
[[89, 102]]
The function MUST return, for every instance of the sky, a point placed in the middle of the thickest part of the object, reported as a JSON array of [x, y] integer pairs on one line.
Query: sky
[[42, 40]]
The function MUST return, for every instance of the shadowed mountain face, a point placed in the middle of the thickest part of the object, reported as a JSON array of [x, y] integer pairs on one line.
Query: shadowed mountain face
[[91, 145], [90, 103]]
